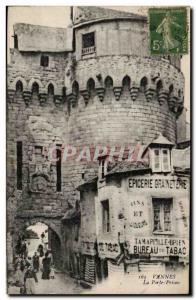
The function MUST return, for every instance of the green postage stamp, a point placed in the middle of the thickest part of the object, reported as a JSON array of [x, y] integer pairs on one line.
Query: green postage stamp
[[168, 30]]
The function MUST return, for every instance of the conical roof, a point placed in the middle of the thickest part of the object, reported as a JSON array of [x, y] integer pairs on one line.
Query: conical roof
[[85, 14]]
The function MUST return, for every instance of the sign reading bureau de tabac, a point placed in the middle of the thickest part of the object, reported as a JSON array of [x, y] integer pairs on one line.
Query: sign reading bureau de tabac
[[158, 246], [163, 183]]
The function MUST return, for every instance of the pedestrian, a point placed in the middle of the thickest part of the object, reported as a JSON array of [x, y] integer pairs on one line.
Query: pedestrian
[[29, 279], [24, 250], [52, 272], [40, 250], [19, 276], [36, 262], [46, 262], [29, 261]]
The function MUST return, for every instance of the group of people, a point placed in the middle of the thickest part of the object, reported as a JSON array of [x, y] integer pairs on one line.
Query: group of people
[[27, 267]]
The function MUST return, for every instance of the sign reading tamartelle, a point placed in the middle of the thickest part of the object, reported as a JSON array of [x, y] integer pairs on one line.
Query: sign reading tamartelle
[[158, 246], [158, 183]]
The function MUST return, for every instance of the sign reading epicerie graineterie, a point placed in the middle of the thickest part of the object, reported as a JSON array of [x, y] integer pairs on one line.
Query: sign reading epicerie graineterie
[[158, 246], [158, 183]]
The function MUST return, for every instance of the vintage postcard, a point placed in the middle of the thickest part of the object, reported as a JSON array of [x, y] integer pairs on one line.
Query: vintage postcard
[[98, 150]]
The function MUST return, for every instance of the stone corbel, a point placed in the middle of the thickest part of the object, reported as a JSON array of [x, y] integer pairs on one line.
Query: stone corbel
[[117, 92], [42, 98], [134, 90], [162, 96], [179, 110], [150, 92], [72, 99], [58, 99], [172, 102], [100, 93], [10, 94], [27, 97], [85, 94]]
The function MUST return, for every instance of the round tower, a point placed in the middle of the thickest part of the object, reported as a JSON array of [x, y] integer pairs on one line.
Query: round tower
[[117, 92]]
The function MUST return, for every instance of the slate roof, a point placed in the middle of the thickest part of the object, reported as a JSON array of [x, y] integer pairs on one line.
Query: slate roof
[[93, 13], [43, 38], [124, 167], [161, 140], [181, 158]]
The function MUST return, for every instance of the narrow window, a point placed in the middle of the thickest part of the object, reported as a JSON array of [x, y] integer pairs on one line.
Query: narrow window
[[159, 86], [35, 89], [102, 168], [156, 160], [143, 84], [44, 61], [19, 87], [19, 165], [105, 216], [88, 43], [58, 168], [162, 209], [15, 41], [50, 89], [166, 166]]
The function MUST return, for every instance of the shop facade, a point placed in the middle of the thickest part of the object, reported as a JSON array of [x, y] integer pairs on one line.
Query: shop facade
[[138, 216]]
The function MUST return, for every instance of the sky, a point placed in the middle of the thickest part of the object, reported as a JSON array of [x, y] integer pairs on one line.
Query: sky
[[59, 16]]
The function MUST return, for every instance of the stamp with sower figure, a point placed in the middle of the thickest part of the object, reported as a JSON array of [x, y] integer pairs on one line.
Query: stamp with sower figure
[[168, 30]]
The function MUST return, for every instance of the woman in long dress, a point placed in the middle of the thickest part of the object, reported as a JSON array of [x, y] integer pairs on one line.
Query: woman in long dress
[[46, 262]]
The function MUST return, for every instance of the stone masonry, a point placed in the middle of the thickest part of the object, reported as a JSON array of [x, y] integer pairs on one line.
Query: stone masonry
[[114, 96]]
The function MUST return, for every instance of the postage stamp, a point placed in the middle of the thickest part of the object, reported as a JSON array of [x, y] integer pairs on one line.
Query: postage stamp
[[168, 30]]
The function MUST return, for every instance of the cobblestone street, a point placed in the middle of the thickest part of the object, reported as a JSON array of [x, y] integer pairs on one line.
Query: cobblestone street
[[62, 284]]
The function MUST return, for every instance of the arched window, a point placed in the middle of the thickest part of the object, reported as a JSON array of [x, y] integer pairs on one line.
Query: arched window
[[91, 86], [64, 91], [143, 84], [159, 85], [108, 82], [171, 88], [50, 89], [35, 88], [179, 93], [19, 87], [75, 88], [126, 82]]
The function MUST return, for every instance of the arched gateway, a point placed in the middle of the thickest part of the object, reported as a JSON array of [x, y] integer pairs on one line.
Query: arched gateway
[[54, 235]]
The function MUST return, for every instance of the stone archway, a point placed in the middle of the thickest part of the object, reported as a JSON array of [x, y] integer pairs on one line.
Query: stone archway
[[54, 235]]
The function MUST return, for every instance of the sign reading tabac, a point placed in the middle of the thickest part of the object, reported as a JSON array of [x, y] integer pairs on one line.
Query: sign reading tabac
[[158, 246], [158, 183]]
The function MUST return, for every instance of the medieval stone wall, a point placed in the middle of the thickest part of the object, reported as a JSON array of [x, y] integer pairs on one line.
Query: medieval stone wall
[[105, 100]]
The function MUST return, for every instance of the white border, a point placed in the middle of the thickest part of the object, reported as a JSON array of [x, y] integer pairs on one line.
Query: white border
[[3, 4]]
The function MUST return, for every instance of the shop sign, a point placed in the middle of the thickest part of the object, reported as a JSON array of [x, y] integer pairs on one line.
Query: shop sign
[[138, 214], [158, 246], [109, 249], [158, 183], [88, 247]]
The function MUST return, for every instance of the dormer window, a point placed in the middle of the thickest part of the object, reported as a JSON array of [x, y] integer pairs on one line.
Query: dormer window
[[103, 167], [161, 160], [160, 155], [88, 43]]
